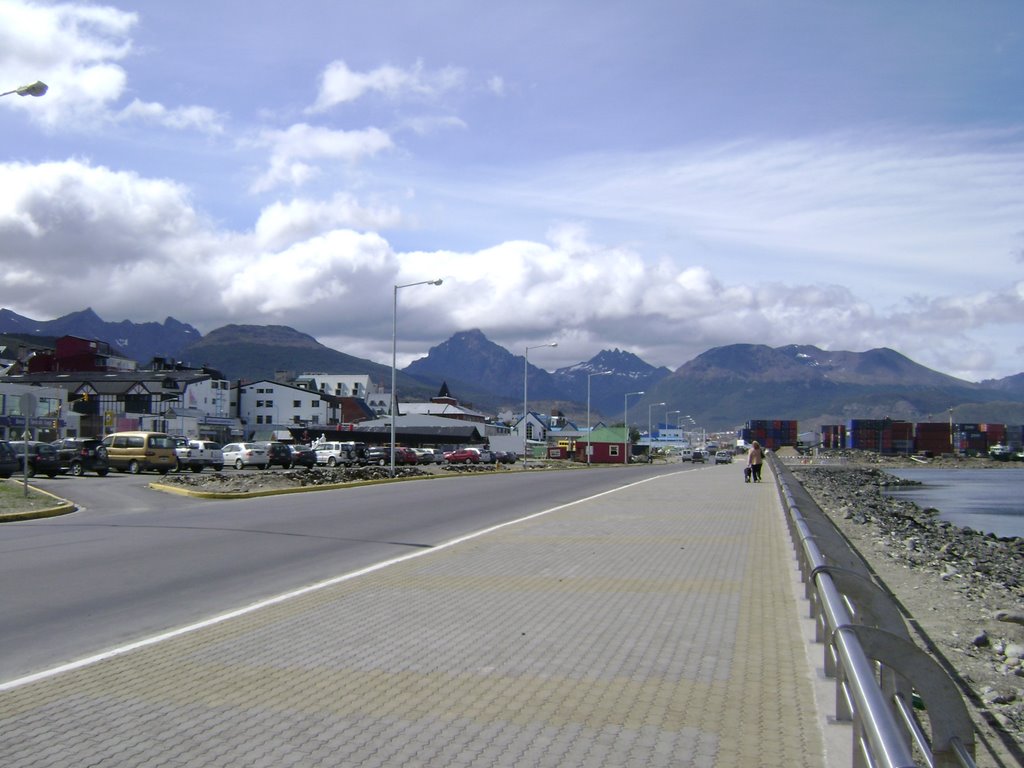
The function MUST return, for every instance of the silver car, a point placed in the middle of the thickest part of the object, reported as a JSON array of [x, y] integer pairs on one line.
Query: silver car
[[242, 455]]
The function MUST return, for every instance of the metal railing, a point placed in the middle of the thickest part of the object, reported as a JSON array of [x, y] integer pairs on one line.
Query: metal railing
[[903, 708]]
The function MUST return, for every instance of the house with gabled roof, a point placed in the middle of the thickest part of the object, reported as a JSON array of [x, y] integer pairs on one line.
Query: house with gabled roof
[[608, 445]]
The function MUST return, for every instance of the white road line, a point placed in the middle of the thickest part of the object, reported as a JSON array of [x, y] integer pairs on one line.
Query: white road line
[[222, 617]]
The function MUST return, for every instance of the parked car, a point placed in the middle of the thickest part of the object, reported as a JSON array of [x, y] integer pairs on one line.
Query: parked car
[[78, 455], [487, 456], [429, 456], [8, 459], [278, 454], [196, 455], [462, 456], [345, 453], [135, 452], [242, 455], [42, 458], [723, 457], [698, 456], [381, 455], [213, 452], [377, 454], [303, 456], [507, 457]]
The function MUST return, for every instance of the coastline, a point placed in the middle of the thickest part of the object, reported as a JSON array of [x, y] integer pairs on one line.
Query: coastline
[[961, 591]]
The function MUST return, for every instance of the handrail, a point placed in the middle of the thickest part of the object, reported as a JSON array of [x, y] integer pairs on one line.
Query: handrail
[[869, 652]]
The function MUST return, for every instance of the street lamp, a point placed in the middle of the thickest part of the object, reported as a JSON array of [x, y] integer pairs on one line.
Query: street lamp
[[589, 377], [38, 88], [394, 354], [625, 424], [666, 417], [650, 432], [526, 370]]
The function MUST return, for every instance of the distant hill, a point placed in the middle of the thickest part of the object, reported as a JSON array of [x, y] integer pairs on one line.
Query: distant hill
[[732, 384], [719, 389], [253, 352], [476, 367], [136, 341]]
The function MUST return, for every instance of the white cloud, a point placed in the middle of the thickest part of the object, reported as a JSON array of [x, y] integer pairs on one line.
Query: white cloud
[[340, 85], [426, 124], [293, 151], [281, 224], [201, 119]]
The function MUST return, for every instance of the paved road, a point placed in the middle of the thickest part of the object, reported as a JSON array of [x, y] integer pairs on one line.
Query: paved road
[[655, 625], [136, 561]]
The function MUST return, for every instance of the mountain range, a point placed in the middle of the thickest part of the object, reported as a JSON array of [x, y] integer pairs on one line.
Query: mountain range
[[719, 389]]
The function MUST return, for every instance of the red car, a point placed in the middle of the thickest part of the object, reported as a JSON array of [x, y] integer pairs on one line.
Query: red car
[[463, 456], [406, 456]]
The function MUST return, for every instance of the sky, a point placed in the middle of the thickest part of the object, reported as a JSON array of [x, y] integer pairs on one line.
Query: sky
[[656, 176]]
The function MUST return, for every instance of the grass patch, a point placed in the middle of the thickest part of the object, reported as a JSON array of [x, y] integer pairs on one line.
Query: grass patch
[[13, 499]]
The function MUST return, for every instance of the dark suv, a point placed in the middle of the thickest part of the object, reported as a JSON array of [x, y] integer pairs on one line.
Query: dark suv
[[79, 455], [8, 459], [42, 458], [278, 453]]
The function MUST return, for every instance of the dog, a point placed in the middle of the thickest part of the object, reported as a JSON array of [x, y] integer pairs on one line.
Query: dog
[[746, 474]]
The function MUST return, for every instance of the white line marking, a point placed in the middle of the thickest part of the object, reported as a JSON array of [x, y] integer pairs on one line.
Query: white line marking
[[111, 653]]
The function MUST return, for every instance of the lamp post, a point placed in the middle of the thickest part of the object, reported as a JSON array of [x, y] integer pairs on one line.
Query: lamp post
[[526, 371], [394, 355], [38, 88], [625, 424], [666, 417], [650, 432], [589, 377]]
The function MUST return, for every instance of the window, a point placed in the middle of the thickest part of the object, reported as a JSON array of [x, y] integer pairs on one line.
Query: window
[[296, 403], [259, 403], [529, 431], [613, 450], [269, 403], [315, 404]]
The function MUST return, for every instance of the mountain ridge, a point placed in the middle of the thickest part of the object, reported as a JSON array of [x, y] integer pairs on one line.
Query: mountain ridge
[[722, 387]]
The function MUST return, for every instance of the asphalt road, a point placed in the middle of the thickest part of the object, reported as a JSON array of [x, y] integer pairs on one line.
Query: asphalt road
[[134, 562]]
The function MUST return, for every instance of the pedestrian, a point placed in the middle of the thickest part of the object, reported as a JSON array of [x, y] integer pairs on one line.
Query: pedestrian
[[755, 458]]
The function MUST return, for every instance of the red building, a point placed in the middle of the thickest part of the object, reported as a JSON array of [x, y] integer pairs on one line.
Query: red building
[[73, 354]]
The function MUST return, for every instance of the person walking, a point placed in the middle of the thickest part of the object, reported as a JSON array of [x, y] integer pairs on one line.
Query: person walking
[[755, 458]]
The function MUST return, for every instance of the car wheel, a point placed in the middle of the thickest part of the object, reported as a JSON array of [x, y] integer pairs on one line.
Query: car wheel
[[332, 462], [76, 469], [197, 467], [381, 462], [286, 465], [218, 467], [163, 470], [134, 467], [102, 472], [239, 464]]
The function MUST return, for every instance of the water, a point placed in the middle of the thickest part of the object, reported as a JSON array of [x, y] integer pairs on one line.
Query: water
[[987, 500]]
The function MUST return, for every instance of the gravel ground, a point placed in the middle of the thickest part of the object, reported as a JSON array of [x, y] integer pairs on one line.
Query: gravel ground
[[962, 591]]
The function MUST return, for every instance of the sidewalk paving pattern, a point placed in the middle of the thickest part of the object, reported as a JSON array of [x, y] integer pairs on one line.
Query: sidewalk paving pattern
[[651, 626]]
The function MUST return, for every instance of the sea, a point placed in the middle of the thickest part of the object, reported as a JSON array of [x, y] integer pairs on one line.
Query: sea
[[986, 500]]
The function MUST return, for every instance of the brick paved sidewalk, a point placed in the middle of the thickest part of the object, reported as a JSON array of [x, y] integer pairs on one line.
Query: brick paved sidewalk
[[653, 626]]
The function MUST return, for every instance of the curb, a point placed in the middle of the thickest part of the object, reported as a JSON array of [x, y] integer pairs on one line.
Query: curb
[[64, 507]]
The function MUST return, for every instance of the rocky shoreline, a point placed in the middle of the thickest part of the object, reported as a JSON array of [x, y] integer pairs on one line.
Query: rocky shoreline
[[963, 590]]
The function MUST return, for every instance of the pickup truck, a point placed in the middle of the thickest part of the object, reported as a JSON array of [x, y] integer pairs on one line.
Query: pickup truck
[[197, 454]]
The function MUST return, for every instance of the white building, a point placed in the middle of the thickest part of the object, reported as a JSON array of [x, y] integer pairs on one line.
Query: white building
[[48, 417], [262, 405], [338, 384]]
